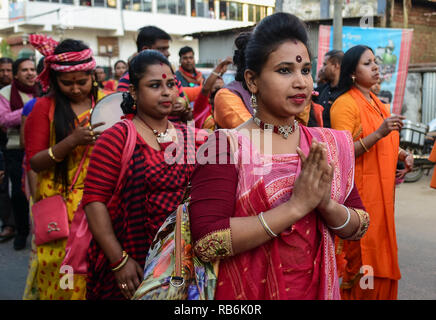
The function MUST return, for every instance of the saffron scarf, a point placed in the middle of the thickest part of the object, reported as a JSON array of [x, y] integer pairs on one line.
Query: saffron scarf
[[195, 77], [16, 101], [257, 273], [375, 180], [63, 62]]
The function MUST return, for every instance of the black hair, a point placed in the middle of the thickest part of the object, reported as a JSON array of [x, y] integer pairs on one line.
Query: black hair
[[239, 55], [137, 69], [64, 116], [185, 50], [268, 35], [147, 36], [40, 66], [17, 63], [348, 67], [119, 61], [386, 94], [335, 56], [6, 60]]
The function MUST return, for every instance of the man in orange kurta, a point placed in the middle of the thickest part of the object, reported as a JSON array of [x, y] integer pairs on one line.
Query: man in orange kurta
[[372, 270]]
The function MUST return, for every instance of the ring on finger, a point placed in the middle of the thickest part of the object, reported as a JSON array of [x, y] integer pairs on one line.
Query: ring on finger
[[123, 285], [91, 133], [94, 138]]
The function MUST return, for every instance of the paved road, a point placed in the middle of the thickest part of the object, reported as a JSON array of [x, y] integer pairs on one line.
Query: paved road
[[416, 226]]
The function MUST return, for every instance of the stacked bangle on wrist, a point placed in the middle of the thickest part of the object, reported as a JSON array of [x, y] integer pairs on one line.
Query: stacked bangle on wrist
[[120, 263], [50, 153], [217, 74]]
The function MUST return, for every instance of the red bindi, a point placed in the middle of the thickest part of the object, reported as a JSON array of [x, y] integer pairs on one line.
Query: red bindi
[[164, 76]]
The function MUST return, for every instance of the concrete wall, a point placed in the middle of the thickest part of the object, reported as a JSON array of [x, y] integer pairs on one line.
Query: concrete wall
[[423, 24], [218, 47]]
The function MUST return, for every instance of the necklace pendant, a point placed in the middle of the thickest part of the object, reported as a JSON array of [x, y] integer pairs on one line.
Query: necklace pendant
[[164, 139], [284, 132]]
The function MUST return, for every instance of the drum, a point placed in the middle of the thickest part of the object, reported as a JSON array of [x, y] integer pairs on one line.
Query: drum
[[108, 110]]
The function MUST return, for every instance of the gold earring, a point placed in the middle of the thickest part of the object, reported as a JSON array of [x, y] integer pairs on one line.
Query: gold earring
[[95, 84], [353, 78]]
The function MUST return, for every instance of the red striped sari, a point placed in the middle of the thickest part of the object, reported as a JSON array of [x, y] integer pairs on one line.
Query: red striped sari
[[261, 273]]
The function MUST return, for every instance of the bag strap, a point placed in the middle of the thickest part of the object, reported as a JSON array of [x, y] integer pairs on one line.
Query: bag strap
[[129, 147], [76, 176], [177, 278]]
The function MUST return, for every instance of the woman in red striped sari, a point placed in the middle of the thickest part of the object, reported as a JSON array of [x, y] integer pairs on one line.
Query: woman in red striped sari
[[152, 187]]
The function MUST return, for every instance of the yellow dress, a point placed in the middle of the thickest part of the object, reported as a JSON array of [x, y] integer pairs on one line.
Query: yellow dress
[[44, 280], [50, 255]]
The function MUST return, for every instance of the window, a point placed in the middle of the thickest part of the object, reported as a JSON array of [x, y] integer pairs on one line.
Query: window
[[54, 1], [135, 5], [99, 3], [108, 46], [223, 10], [171, 6], [199, 8], [251, 13], [93, 3], [235, 11], [260, 13]]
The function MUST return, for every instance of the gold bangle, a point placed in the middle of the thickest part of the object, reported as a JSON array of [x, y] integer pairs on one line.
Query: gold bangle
[[121, 264], [265, 226], [50, 153], [363, 145]]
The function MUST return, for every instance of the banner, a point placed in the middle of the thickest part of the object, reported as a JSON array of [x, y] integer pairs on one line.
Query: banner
[[390, 46]]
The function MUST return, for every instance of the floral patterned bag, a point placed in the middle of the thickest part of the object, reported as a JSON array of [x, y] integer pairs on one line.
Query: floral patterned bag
[[172, 271]]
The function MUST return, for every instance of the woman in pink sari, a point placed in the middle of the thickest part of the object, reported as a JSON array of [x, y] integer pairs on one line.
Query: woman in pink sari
[[281, 191]]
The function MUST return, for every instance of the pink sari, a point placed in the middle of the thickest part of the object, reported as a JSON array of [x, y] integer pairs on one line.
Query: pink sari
[[259, 274]]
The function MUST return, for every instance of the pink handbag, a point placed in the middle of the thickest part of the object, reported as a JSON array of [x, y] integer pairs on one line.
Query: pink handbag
[[80, 236], [50, 215]]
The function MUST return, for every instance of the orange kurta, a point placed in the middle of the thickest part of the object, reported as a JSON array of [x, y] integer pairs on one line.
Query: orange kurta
[[375, 180]]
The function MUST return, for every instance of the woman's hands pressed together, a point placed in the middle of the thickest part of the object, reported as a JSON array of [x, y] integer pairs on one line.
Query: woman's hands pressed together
[[313, 185]]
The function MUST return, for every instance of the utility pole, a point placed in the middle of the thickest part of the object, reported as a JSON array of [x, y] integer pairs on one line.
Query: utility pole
[[337, 25], [407, 5]]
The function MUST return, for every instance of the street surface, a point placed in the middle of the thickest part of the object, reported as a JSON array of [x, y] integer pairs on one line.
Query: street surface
[[416, 230]]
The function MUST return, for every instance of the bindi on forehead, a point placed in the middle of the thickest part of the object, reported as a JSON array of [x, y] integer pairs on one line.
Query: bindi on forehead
[[164, 76], [299, 58]]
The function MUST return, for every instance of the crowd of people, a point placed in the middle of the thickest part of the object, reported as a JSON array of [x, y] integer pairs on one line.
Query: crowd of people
[[298, 220]]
